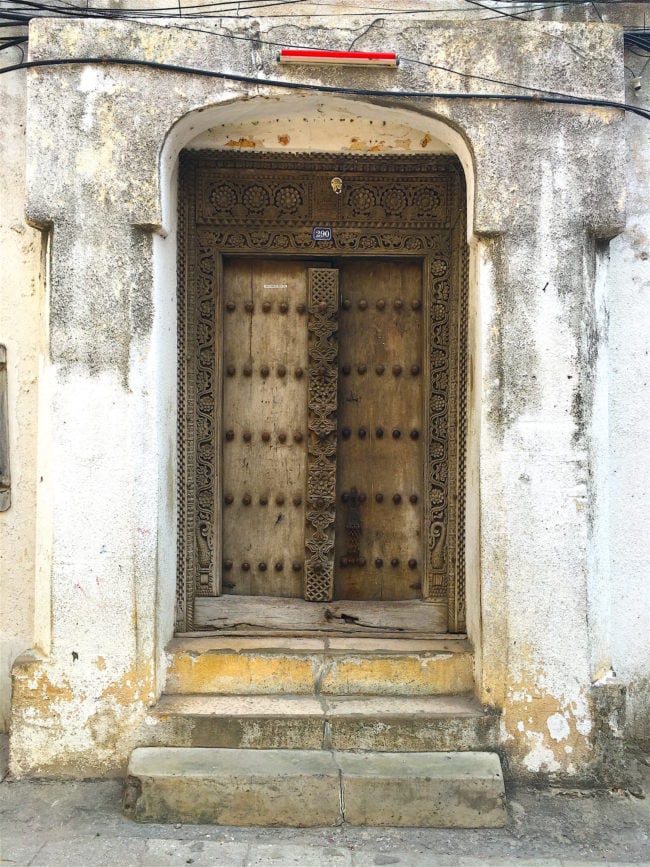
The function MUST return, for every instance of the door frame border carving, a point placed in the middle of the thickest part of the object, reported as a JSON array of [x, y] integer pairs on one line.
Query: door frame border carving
[[265, 205]]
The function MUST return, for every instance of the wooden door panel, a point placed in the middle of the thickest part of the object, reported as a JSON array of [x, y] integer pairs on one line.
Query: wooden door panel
[[380, 449], [265, 427], [234, 208]]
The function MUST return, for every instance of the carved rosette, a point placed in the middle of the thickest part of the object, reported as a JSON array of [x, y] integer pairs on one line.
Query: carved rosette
[[321, 459]]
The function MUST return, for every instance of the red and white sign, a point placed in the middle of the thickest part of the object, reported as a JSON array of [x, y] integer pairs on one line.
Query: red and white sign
[[342, 58]]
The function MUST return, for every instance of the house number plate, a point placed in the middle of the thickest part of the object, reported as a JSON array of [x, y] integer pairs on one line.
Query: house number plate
[[321, 233]]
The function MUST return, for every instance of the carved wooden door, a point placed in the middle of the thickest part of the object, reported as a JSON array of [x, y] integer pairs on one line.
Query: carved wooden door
[[322, 390], [265, 390], [322, 419], [380, 457]]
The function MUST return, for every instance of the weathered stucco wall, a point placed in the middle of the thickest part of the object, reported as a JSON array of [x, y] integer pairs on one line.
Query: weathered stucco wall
[[21, 309], [547, 187], [628, 472]]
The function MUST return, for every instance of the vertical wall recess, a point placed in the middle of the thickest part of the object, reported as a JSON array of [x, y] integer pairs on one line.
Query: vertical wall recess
[[322, 422], [5, 474]]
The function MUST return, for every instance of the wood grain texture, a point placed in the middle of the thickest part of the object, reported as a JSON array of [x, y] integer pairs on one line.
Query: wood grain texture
[[380, 413], [264, 343], [348, 617]]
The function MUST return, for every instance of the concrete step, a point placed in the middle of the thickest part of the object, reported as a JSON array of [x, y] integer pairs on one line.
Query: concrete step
[[233, 665], [305, 788], [380, 723]]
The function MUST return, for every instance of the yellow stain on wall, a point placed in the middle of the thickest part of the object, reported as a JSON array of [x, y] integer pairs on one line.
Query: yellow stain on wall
[[259, 673], [232, 673], [406, 675]]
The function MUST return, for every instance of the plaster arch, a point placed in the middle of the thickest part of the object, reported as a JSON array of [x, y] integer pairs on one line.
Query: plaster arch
[[302, 124], [391, 129]]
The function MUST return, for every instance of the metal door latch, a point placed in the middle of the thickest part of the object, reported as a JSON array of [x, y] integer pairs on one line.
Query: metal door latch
[[353, 528]]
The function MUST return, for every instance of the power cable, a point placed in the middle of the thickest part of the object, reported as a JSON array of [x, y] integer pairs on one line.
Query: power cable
[[328, 88], [271, 43], [218, 5], [440, 67]]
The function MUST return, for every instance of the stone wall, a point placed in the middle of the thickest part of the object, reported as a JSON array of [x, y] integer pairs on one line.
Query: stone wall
[[22, 308], [558, 362], [627, 332]]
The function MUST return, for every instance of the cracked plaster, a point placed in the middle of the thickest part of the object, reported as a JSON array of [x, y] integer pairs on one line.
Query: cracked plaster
[[544, 182]]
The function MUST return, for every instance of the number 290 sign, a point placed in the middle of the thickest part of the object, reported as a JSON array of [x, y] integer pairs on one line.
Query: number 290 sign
[[321, 233]]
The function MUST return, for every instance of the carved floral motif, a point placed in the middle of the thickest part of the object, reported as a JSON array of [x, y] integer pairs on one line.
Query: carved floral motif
[[437, 477], [256, 199], [426, 201], [223, 197], [394, 201], [288, 199], [322, 422], [229, 199], [362, 201]]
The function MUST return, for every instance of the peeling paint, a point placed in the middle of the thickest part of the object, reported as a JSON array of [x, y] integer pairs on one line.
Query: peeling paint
[[539, 758], [558, 727], [241, 143], [545, 179]]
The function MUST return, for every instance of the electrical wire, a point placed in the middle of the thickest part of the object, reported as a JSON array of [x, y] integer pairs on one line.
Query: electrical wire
[[640, 39], [465, 75], [328, 88], [403, 59], [450, 70], [217, 7]]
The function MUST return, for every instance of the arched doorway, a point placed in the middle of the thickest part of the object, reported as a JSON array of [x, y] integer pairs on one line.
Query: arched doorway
[[322, 338]]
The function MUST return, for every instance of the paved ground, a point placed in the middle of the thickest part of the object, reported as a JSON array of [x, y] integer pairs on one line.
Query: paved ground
[[52, 823]]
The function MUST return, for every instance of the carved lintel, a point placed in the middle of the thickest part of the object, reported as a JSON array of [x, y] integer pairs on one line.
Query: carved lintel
[[321, 460]]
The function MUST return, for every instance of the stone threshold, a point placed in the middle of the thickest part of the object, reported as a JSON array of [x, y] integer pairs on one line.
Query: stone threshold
[[307, 788], [324, 722], [325, 706], [198, 642], [312, 666]]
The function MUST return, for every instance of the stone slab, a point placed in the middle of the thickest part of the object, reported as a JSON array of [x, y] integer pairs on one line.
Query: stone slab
[[384, 723], [399, 706], [424, 790], [239, 706], [307, 788], [392, 724], [413, 734], [445, 673], [434, 668], [290, 788]]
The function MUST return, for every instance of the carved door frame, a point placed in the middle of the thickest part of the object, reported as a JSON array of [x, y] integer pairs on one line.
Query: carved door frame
[[267, 205]]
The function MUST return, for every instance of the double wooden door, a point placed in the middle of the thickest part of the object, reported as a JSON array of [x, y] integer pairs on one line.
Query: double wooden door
[[322, 389], [322, 430]]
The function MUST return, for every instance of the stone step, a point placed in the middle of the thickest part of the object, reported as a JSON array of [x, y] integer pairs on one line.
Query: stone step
[[380, 723], [327, 666], [306, 788]]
